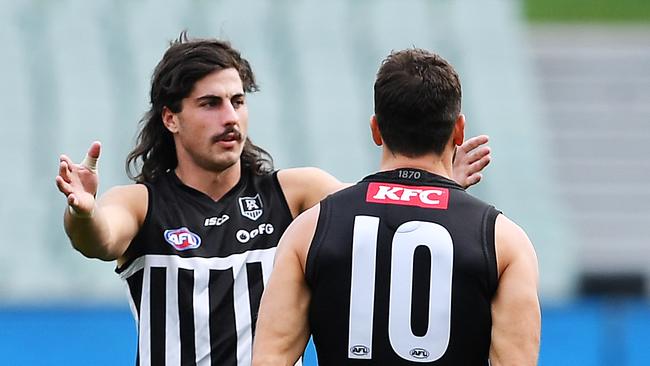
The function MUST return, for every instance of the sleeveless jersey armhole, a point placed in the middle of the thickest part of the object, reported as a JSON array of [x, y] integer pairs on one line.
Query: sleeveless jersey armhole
[[489, 247], [311, 272], [278, 188], [133, 251]]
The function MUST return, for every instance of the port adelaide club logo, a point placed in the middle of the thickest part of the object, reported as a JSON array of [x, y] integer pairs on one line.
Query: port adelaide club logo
[[251, 207]]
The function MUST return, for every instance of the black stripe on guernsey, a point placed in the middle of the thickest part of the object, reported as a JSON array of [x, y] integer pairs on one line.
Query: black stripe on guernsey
[[224, 344], [185, 316], [255, 288], [157, 311], [421, 291], [135, 289]]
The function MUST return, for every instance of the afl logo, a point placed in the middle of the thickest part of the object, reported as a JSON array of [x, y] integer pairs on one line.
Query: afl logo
[[182, 239], [419, 353], [359, 350]]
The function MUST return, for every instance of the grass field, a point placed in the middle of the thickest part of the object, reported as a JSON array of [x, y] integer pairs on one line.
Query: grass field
[[592, 11]]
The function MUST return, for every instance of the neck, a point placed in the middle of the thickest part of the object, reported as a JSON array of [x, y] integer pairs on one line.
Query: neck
[[214, 184], [433, 163]]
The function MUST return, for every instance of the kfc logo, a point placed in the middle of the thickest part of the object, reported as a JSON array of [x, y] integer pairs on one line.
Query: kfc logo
[[422, 196]]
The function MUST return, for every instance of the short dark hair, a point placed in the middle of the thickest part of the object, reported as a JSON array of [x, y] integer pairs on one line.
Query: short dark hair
[[417, 102], [185, 62]]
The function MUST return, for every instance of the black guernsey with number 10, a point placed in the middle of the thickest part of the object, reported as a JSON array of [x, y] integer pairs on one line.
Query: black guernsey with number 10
[[402, 270]]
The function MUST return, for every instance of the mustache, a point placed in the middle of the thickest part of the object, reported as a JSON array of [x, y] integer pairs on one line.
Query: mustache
[[229, 130]]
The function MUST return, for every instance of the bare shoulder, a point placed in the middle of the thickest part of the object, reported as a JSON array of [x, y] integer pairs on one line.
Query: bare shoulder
[[124, 193], [512, 244], [313, 177], [298, 236], [131, 197], [305, 187]]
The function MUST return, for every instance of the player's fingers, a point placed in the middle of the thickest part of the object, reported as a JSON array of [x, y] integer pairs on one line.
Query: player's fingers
[[64, 171], [480, 164], [95, 149], [90, 163], [63, 186], [66, 159], [474, 142], [478, 154], [90, 160], [72, 200], [473, 179]]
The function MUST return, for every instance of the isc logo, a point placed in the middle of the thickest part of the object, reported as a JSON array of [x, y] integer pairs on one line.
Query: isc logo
[[359, 350], [419, 353], [216, 221], [182, 239]]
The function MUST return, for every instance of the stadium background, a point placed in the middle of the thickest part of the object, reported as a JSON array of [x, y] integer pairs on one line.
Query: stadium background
[[562, 88]]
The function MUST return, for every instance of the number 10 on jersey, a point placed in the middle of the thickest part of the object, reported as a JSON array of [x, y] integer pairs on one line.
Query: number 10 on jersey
[[408, 237]]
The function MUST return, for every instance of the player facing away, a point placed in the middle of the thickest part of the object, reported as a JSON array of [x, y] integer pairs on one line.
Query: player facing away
[[405, 267], [195, 237]]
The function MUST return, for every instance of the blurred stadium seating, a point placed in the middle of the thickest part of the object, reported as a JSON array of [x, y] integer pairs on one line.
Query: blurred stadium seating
[[563, 127]]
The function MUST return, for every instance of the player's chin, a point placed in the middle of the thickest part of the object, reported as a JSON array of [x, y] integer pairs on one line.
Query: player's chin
[[226, 159]]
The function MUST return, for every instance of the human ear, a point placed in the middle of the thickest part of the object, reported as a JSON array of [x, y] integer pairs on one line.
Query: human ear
[[170, 120], [374, 129]]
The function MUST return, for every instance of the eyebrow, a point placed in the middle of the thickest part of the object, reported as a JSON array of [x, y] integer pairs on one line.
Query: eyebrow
[[212, 97], [207, 97]]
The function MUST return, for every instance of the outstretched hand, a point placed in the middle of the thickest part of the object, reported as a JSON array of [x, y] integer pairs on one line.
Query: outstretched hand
[[79, 182], [471, 158]]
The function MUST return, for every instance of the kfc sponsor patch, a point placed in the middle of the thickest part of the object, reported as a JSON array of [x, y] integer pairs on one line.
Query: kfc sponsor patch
[[396, 194]]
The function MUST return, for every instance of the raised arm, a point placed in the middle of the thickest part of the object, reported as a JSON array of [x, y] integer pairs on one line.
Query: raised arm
[[99, 228], [282, 328], [516, 319]]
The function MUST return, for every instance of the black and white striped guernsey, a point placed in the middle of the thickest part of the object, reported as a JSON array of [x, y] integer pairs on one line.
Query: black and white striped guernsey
[[196, 270]]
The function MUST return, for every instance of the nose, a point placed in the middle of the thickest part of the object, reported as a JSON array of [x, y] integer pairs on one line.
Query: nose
[[230, 115]]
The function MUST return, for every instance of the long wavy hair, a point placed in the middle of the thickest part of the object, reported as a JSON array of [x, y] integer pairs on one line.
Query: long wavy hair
[[185, 62]]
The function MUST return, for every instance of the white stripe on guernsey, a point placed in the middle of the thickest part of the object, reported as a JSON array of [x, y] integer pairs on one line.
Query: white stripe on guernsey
[[172, 327], [145, 326], [201, 316], [137, 265], [362, 287], [218, 263], [266, 272], [201, 268], [242, 315]]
